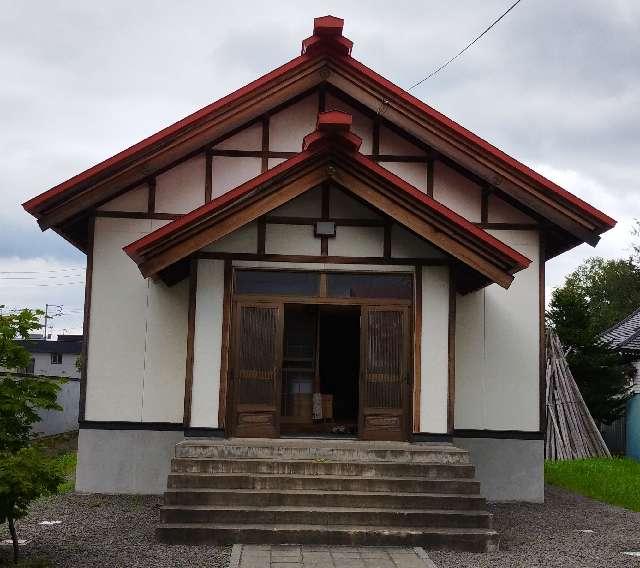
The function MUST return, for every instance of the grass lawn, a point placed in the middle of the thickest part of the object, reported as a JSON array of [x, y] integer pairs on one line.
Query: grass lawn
[[615, 481]]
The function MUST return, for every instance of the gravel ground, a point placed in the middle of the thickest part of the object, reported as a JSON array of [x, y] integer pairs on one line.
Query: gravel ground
[[104, 531], [547, 535]]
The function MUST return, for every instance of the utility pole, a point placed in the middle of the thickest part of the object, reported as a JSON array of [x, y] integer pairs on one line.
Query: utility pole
[[47, 317]]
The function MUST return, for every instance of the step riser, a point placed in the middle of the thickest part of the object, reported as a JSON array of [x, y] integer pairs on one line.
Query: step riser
[[445, 456], [381, 501], [223, 536], [182, 465], [179, 481], [330, 518]]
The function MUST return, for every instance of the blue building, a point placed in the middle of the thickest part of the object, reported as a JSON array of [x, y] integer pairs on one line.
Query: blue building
[[625, 335]]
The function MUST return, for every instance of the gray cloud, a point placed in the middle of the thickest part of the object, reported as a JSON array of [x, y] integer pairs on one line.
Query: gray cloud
[[555, 84]]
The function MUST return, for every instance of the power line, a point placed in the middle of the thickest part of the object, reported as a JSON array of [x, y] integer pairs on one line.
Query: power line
[[436, 71]]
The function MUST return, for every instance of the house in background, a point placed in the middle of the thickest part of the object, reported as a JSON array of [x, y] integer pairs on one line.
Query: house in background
[[57, 357], [317, 254], [625, 335]]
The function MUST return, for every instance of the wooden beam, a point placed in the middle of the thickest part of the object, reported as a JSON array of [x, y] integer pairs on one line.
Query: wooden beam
[[262, 235], [451, 391], [225, 355], [326, 208], [265, 144], [208, 176], [430, 174], [542, 361], [326, 259], [417, 348], [191, 332], [151, 197], [387, 239], [136, 215], [86, 322], [375, 144], [278, 220]]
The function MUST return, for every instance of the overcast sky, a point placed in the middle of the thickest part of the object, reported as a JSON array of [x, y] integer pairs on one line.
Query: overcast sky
[[555, 84]]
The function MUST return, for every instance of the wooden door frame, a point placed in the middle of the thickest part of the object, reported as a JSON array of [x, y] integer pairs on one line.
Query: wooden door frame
[[235, 299]]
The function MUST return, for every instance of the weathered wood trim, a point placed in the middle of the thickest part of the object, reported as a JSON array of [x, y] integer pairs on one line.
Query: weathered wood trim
[[86, 321], [191, 332], [232, 153], [325, 259], [542, 364], [136, 215], [375, 142], [226, 344], [417, 348], [208, 176], [151, 197], [451, 391], [322, 97]]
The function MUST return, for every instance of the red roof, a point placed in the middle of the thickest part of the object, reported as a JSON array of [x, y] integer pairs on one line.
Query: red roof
[[327, 41], [333, 129]]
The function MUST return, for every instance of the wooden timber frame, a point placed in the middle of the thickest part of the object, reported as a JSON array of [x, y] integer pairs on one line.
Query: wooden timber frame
[[253, 420]]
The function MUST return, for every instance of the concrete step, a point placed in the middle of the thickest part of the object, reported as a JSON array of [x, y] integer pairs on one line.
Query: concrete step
[[321, 468], [324, 483], [325, 516], [314, 498], [468, 540], [333, 450]]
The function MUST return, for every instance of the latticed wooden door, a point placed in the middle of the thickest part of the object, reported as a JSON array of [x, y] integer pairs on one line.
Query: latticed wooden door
[[257, 369], [384, 373]]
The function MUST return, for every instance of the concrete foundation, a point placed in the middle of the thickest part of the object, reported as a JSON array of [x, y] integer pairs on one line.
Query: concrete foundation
[[124, 461], [508, 470]]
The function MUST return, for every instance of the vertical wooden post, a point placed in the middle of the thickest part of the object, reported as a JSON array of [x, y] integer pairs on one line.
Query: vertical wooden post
[[417, 349], [191, 331], [86, 322], [451, 391]]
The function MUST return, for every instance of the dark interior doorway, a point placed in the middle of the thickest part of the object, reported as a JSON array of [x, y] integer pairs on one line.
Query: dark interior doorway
[[320, 370]]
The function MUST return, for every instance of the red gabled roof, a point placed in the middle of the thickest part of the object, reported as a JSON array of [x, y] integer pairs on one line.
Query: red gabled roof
[[332, 131], [327, 41]]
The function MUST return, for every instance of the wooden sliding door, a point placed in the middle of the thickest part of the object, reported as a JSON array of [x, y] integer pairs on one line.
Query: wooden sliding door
[[257, 369], [384, 373]]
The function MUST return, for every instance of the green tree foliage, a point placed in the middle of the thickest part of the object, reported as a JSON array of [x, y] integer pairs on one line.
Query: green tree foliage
[[593, 298], [25, 472]]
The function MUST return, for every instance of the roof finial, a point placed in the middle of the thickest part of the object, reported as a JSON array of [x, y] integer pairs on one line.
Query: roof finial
[[327, 34]]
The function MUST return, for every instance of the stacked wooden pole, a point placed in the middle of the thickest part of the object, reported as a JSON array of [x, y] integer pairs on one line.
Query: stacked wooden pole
[[571, 432]]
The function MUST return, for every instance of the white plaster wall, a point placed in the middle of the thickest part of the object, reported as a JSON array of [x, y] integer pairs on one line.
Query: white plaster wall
[[248, 139], [309, 204], [500, 211], [181, 189], [357, 241], [362, 125], [207, 344], [497, 342], [391, 143], [343, 206], [434, 359], [228, 172], [404, 244], [456, 192], [288, 127], [137, 337], [291, 239], [135, 200], [415, 174], [242, 240]]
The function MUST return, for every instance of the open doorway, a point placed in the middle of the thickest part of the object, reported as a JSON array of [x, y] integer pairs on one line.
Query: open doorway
[[320, 370]]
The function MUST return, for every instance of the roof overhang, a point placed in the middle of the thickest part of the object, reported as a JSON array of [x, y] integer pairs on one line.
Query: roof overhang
[[325, 58], [330, 154]]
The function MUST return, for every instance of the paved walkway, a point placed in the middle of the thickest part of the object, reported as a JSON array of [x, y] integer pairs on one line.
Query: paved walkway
[[308, 556]]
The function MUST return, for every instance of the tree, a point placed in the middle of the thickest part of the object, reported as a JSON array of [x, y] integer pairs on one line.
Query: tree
[[25, 473], [594, 297]]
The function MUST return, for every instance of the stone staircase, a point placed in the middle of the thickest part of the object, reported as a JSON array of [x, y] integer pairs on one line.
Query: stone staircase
[[312, 491]]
